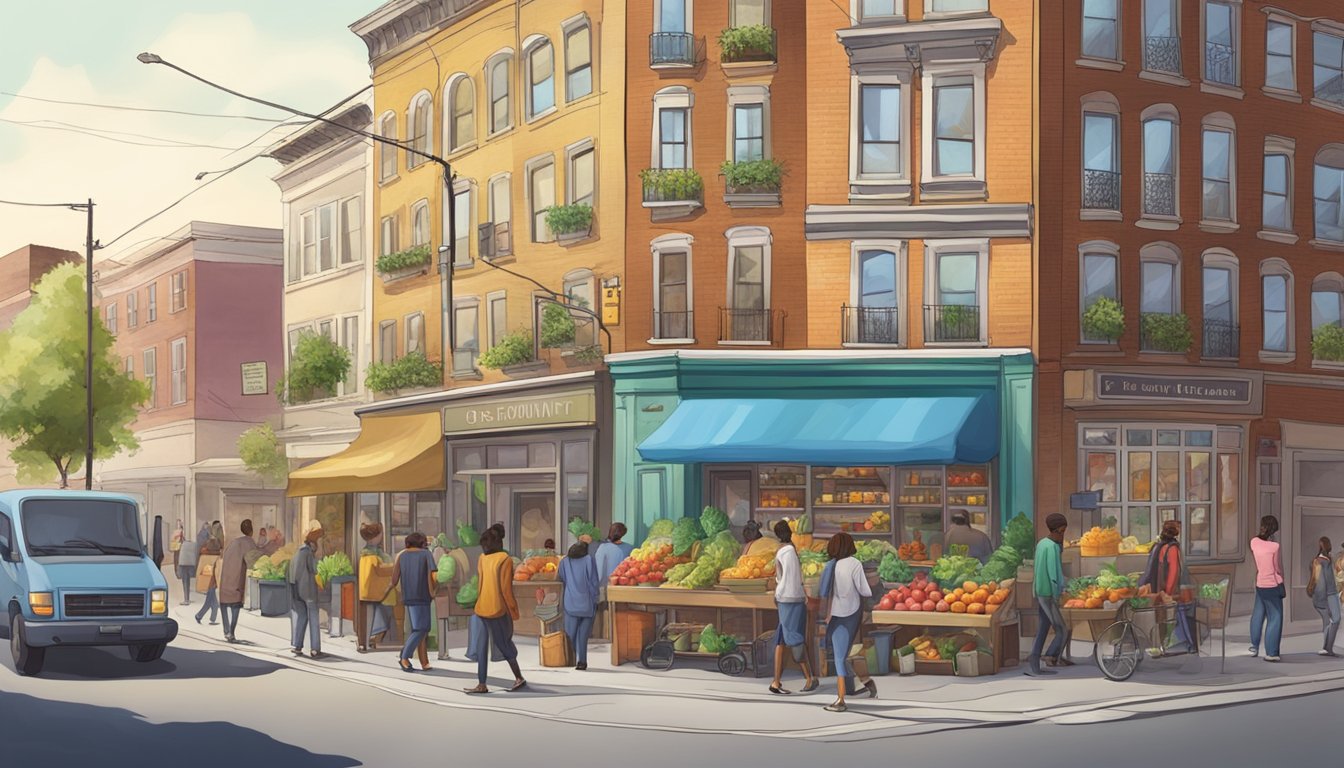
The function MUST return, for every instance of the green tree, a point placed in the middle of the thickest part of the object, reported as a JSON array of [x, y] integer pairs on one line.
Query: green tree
[[42, 392], [261, 452]]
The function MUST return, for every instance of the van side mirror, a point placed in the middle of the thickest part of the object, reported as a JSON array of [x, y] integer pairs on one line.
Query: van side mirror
[[6, 553]]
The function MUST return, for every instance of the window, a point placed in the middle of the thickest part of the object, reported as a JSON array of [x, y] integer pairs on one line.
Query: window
[[352, 231], [1161, 37], [295, 335], [578, 287], [880, 9], [580, 179], [748, 275], [151, 365], [308, 243], [954, 130], [1100, 279], [1328, 68], [748, 317], [420, 224], [880, 129], [672, 308], [129, 362], [875, 296], [673, 139], [1279, 69], [541, 189], [578, 61], [110, 318], [387, 154], [748, 132], [1101, 161], [956, 6], [1221, 338], [179, 289], [466, 337], [132, 310], [1220, 42], [957, 279], [1327, 301], [152, 306], [350, 342], [749, 13], [387, 342], [1159, 167], [1159, 271], [498, 69], [540, 78], [876, 286], [1276, 302], [462, 227], [462, 126], [388, 235], [415, 333], [1329, 191], [1218, 197], [497, 308], [420, 118], [326, 237], [1101, 29], [957, 274], [500, 204], [672, 16], [178, 369]]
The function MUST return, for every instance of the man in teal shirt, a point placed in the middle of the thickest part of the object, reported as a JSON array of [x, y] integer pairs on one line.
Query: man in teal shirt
[[1047, 586]]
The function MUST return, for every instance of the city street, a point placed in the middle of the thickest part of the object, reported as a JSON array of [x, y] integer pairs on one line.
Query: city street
[[211, 707]]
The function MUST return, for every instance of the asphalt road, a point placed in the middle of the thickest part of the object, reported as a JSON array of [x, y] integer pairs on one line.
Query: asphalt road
[[204, 707]]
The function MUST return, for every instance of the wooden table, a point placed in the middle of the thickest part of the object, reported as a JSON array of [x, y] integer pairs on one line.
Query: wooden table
[[624, 598], [987, 625]]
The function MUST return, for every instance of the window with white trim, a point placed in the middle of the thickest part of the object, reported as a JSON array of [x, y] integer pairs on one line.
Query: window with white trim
[[957, 274], [1101, 153], [420, 223], [497, 314], [873, 316], [1220, 334], [540, 197], [1280, 69], [497, 70], [954, 129], [466, 336], [462, 223], [420, 118], [673, 315], [1100, 280], [1276, 206], [352, 231], [350, 343], [152, 305], [132, 309], [672, 16], [462, 119], [581, 175], [151, 367], [579, 287], [1219, 195], [1222, 38], [749, 13], [1160, 167], [387, 342], [578, 60], [953, 149], [178, 370], [179, 291], [1160, 274], [955, 6], [414, 325], [749, 126], [500, 214], [749, 317], [674, 137], [880, 129], [387, 154], [1329, 194], [540, 78], [1162, 37], [388, 235], [1327, 72], [110, 318], [1276, 286], [1101, 29]]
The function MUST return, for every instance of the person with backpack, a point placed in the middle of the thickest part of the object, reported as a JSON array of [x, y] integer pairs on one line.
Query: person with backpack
[[1324, 594], [1164, 575]]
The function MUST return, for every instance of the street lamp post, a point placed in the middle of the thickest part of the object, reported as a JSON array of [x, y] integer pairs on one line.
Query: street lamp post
[[89, 245]]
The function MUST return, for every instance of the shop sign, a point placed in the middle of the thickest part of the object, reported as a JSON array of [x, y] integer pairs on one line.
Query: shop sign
[[573, 407], [254, 378], [1118, 386]]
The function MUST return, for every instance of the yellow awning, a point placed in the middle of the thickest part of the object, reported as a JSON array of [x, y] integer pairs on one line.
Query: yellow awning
[[391, 453]]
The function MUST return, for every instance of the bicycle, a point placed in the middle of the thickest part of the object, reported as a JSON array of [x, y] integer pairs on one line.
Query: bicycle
[[1123, 645]]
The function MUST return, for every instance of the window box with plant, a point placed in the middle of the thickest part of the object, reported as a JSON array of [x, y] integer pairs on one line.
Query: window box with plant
[[1104, 321], [752, 183], [515, 354], [317, 366], [1166, 333], [570, 223], [403, 264], [413, 371], [749, 45], [672, 192], [1327, 344]]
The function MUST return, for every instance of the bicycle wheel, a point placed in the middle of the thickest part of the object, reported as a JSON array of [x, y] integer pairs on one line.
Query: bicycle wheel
[[1119, 651]]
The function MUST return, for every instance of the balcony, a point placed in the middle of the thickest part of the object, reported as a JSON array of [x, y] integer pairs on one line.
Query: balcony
[[951, 323], [1162, 54], [493, 240], [746, 326], [672, 50], [1222, 340], [672, 193], [1220, 64], [1159, 194], [749, 50], [1101, 190], [674, 325], [871, 325]]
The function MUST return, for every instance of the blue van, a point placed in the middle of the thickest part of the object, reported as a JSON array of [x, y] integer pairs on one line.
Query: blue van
[[74, 571]]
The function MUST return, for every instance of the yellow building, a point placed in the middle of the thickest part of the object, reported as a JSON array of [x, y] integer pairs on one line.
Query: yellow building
[[526, 101]]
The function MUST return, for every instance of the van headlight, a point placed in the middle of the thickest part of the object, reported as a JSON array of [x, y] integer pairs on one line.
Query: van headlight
[[42, 604], [158, 602]]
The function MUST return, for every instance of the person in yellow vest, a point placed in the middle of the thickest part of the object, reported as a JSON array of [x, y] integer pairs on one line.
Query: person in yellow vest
[[372, 586]]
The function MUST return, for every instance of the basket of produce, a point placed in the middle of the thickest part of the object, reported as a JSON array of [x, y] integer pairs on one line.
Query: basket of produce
[[538, 568], [748, 586], [750, 574], [1100, 542]]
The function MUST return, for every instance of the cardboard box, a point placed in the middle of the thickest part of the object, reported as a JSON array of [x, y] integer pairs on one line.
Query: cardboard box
[[556, 650]]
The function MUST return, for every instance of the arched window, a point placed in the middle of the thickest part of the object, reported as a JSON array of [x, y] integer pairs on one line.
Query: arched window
[[1099, 264], [387, 154], [1276, 288], [420, 118], [1160, 162], [748, 315], [874, 311], [1327, 301], [1220, 180], [497, 71], [420, 223], [540, 57], [461, 103], [1160, 274], [1329, 194], [673, 298], [1101, 154], [1221, 338]]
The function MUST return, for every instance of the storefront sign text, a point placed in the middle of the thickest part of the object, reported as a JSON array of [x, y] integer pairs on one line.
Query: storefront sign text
[[567, 408], [1114, 386], [254, 378]]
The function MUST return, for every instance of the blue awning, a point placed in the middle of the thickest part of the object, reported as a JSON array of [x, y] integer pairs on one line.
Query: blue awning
[[911, 430]]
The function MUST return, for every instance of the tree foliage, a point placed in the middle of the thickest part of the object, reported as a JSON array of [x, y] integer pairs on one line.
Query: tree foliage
[[261, 452], [42, 386], [316, 367]]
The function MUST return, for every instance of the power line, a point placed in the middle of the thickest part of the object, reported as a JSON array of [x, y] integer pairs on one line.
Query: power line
[[122, 108], [154, 141], [39, 205]]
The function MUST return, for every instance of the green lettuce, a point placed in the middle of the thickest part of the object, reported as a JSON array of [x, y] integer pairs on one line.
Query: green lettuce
[[661, 529], [893, 568], [468, 535], [685, 533], [713, 520], [952, 570], [1020, 534], [447, 569]]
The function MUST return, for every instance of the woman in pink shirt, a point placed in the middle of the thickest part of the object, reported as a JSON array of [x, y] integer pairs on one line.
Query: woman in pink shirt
[[1269, 590]]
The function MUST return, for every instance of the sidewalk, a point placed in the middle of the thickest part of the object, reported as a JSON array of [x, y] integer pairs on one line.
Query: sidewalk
[[701, 700]]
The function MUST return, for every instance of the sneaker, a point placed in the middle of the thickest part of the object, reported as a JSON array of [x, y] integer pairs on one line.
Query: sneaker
[[1271, 658], [1254, 651], [1324, 652]]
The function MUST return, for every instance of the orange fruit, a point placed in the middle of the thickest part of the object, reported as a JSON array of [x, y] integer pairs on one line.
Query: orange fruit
[[958, 607], [970, 586], [980, 596], [994, 599], [977, 608], [991, 586]]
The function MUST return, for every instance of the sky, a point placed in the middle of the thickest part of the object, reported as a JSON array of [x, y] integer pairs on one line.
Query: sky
[[295, 52]]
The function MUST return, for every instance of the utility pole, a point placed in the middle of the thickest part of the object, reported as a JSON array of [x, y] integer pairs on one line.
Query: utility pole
[[89, 245]]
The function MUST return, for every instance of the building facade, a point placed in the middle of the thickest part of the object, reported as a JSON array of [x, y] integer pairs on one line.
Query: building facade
[[197, 317], [326, 197], [1189, 281]]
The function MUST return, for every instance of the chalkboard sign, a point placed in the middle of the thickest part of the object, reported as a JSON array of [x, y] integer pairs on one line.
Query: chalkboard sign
[[1084, 501]]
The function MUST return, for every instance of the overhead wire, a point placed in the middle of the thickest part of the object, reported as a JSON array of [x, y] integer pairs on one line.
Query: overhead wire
[[154, 142], [123, 108]]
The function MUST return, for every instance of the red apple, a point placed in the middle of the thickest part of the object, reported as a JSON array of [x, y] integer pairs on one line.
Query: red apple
[[942, 606], [918, 595], [886, 605], [929, 605], [899, 607], [935, 595]]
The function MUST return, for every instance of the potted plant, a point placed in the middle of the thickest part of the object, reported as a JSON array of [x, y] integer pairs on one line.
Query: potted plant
[[513, 354], [273, 578], [1104, 320], [557, 327], [403, 264], [671, 184], [1327, 344], [412, 371], [570, 223], [581, 356], [333, 573], [754, 42], [317, 366], [1166, 333]]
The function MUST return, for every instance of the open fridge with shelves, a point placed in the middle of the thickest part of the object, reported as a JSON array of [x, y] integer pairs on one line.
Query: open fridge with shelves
[[857, 500]]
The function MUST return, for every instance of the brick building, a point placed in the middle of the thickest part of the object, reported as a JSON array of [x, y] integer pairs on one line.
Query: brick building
[[1196, 145]]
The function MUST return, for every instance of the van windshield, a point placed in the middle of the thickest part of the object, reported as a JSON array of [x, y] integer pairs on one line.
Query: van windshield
[[80, 527]]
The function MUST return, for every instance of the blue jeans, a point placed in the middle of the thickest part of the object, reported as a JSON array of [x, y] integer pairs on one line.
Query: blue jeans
[[1329, 619], [1047, 611], [231, 612], [499, 632], [1268, 606], [186, 573], [841, 632], [303, 615], [419, 617], [579, 629], [211, 605]]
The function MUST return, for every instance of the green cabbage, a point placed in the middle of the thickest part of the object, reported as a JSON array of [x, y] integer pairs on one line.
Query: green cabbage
[[678, 572], [685, 533], [1002, 565], [893, 568], [872, 550], [1020, 534], [468, 535], [661, 529], [711, 641], [447, 569], [953, 570], [578, 528], [1109, 578], [333, 566], [713, 520]]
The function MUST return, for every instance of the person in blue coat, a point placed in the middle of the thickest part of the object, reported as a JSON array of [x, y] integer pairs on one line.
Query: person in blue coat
[[613, 551], [578, 574]]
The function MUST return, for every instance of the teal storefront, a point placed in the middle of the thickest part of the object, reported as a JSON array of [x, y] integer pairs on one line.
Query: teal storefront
[[882, 444]]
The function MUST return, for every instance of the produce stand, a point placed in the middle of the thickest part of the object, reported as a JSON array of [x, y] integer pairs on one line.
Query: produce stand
[[623, 601], [994, 629], [1094, 620]]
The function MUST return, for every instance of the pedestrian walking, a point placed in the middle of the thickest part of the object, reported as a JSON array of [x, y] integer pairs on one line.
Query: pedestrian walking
[[207, 576], [377, 604], [233, 578], [846, 585], [582, 588], [1267, 615], [791, 602], [303, 595], [202, 536], [186, 556], [175, 548], [414, 569], [497, 609], [1324, 594], [1048, 586]]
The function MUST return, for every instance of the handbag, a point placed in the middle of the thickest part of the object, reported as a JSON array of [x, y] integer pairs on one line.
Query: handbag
[[1283, 590]]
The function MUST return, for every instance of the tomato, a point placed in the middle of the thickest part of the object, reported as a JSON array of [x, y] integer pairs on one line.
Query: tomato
[[918, 595], [910, 603], [643, 579], [899, 607], [886, 605], [935, 595], [928, 605], [942, 606]]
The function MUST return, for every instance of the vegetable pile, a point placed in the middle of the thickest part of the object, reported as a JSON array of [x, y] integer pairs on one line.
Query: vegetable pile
[[712, 521], [813, 563], [721, 552], [685, 534], [267, 569], [951, 570], [661, 529], [872, 550], [332, 566], [1002, 565], [468, 536], [1020, 534], [649, 564], [893, 568], [713, 642], [466, 596], [578, 528]]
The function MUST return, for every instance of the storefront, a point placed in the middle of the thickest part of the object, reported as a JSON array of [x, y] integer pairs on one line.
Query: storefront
[[879, 444], [1311, 500]]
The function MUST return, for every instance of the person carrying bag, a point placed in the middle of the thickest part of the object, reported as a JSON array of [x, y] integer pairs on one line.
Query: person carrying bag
[[844, 587]]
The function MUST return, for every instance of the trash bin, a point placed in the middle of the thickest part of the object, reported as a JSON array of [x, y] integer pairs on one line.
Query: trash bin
[[883, 640]]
